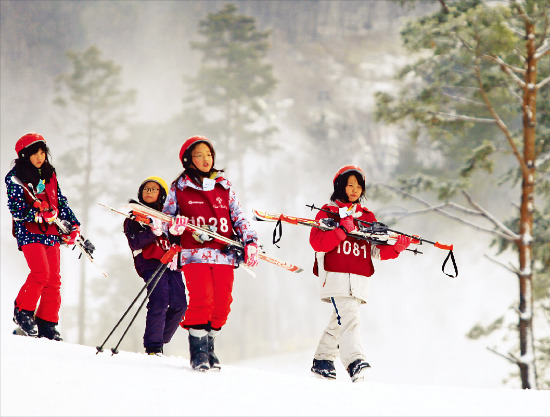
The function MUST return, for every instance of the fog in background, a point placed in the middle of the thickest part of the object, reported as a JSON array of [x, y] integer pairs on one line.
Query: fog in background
[[415, 322]]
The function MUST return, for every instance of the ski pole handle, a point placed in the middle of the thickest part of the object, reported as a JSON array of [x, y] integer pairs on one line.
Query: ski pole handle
[[442, 246]]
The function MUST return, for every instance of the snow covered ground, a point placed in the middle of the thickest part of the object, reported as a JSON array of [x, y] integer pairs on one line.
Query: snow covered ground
[[46, 378]]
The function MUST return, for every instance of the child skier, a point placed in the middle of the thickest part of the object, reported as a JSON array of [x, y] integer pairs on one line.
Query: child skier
[[343, 264], [37, 236], [167, 303], [203, 196]]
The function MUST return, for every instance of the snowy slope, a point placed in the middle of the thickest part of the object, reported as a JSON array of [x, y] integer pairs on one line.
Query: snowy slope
[[41, 377]]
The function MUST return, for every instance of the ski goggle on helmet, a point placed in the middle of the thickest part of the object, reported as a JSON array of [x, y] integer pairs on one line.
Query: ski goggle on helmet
[[349, 168]]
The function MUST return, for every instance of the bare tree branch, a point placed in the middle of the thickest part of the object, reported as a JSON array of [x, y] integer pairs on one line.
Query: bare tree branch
[[508, 69], [510, 268], [439, 209], [499, 121], [543, 50], [448, 117], [498, 224], [543, 83], [464, 99], [503, 356]]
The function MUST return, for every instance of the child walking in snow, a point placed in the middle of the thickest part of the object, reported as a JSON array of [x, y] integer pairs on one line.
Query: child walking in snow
[[203, 196], [38, 302], [343, 265], [167, 303]]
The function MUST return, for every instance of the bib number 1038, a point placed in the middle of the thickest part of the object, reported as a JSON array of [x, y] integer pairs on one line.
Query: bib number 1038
[[347, 248]]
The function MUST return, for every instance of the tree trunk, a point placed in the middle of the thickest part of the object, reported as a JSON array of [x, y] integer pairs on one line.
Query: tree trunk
[[526, 361], [85, 213]]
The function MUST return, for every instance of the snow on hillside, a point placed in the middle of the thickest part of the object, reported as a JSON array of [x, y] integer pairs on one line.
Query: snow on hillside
[[46, 378]]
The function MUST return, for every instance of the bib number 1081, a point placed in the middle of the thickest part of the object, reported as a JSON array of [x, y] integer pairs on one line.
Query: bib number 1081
[[354, 248]]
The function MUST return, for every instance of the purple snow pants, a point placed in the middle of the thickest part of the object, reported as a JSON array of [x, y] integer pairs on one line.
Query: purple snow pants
[[165, 308]]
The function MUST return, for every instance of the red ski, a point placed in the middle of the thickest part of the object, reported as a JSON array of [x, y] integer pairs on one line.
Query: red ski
[[380, 237], [147, 211]]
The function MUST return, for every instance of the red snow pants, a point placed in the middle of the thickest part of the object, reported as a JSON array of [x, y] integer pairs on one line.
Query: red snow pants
[[43, 282], [209, 287]]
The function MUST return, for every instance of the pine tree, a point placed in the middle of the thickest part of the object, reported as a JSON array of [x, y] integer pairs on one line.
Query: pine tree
[[97, 110], [231, 91], [479, 90]]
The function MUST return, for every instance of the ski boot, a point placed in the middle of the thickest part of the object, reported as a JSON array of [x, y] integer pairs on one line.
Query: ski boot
[[47, 329], [198, 349], [324, 368], [25, 320], [356, 370], [212, 358]]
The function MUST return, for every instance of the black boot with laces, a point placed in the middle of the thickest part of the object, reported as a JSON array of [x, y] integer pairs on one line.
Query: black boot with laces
[[25, 320]]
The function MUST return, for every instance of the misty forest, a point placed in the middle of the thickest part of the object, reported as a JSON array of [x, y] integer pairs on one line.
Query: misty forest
[[444, 104]]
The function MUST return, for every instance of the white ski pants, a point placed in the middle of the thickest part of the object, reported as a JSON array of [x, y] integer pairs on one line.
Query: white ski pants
[[343, 339]]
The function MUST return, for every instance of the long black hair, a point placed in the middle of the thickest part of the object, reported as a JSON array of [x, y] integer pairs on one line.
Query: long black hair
[[340, 184], [189, 169], [27, 172]]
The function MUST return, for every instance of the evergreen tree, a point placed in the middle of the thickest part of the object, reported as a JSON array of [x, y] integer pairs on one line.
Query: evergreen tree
[[97, 111], [479, 91], [230, 94]]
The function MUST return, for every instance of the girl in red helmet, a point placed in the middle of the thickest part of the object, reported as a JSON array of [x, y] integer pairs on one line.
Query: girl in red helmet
[[167, 303], [343, 265], [38, 302], [203, 196]]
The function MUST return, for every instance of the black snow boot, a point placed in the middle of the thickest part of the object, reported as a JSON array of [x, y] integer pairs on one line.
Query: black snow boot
[[212, 358], [25, 320], [47, 329], [153, 351], [324, 368], [198, 349], [356, 370]]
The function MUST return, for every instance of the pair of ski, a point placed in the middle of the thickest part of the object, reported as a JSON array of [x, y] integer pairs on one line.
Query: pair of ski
[[374, 232], [144, 211]]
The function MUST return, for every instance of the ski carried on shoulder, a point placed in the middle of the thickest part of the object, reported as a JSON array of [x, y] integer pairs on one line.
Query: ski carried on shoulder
[[379, 236], [374, 232], [86, 247], [147, 211]]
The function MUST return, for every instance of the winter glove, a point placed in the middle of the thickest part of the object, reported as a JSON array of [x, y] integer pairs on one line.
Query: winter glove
[[49, 216], [402, 243], [138, 217], [156, 226], [41, 205], [251, 255], [203, 237], [173, 264], [179, 223], [347, 224], [71, 238]]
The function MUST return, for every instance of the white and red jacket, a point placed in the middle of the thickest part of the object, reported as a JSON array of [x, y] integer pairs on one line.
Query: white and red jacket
[[344, 265], [218, 207]]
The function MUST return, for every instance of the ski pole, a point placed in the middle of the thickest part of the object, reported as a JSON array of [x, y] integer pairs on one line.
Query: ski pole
[[85, 246], [100, 348], [165, 260]]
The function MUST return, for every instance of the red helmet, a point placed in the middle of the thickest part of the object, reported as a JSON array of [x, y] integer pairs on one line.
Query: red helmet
[[27, 140], [348, 168], [192, 141]]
